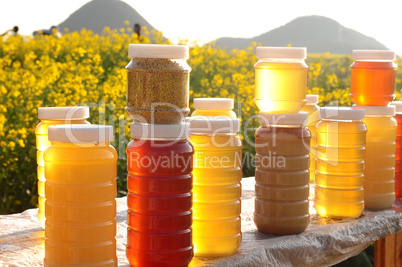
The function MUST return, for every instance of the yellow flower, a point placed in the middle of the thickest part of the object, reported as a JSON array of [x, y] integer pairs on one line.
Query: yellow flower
[[21, 143], [82, 68], [11, 145]]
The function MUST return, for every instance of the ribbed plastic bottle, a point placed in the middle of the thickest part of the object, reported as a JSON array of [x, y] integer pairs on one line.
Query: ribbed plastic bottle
[[159, 182], [339, 176], [282, 173], [280, 79], [52, 116], [80, 171], [379, 174], [373, 77], [398, 153], [221, 107], [313, 111], [217, 190]]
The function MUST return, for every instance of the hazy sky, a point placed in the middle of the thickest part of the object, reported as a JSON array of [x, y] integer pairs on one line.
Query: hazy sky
[[206, 20]]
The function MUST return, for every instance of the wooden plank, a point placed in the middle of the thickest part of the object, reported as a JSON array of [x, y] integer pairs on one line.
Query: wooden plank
[[379, 247], [390, 250], [398, 250], [384, 252]]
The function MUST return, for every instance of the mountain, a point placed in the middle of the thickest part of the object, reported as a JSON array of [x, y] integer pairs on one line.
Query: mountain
[[319, 34], [98, 14]]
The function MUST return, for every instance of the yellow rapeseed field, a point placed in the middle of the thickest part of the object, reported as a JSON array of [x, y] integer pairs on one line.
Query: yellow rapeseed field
[[88, 69]]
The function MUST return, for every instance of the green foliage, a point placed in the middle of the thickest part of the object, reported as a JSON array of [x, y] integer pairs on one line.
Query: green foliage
[[76, 69]]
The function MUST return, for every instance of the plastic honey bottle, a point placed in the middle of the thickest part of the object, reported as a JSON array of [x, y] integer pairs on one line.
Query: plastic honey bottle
[[339, 176], [217, 190], [282, 173], [373, 77], [313, 111], [221, 107], [398, 154], [280, 79], [80, 171], [379, 174], [52, 116], [159, 182]]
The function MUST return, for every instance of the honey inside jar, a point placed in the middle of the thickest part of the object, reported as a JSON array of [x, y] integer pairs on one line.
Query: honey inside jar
[[280, 79], [282, 174], [373, 77], [339, 169]]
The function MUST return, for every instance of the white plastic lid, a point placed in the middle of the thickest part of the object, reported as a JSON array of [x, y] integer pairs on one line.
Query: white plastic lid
[[312, 99], [377, 110], [341, 113], [158, 51], [213, 103], [281, 52], [160, 131], [373, 55], [300, 118], [398, 106], [205, 124], [63, 113], [81, 133]]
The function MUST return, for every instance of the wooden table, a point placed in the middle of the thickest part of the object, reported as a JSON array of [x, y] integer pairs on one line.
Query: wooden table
[[388, 250]]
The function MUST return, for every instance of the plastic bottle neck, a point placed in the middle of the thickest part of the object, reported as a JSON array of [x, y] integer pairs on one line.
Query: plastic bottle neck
[[340, 120], [79, 145], [294, 126], [213, 134], [74, 121]]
